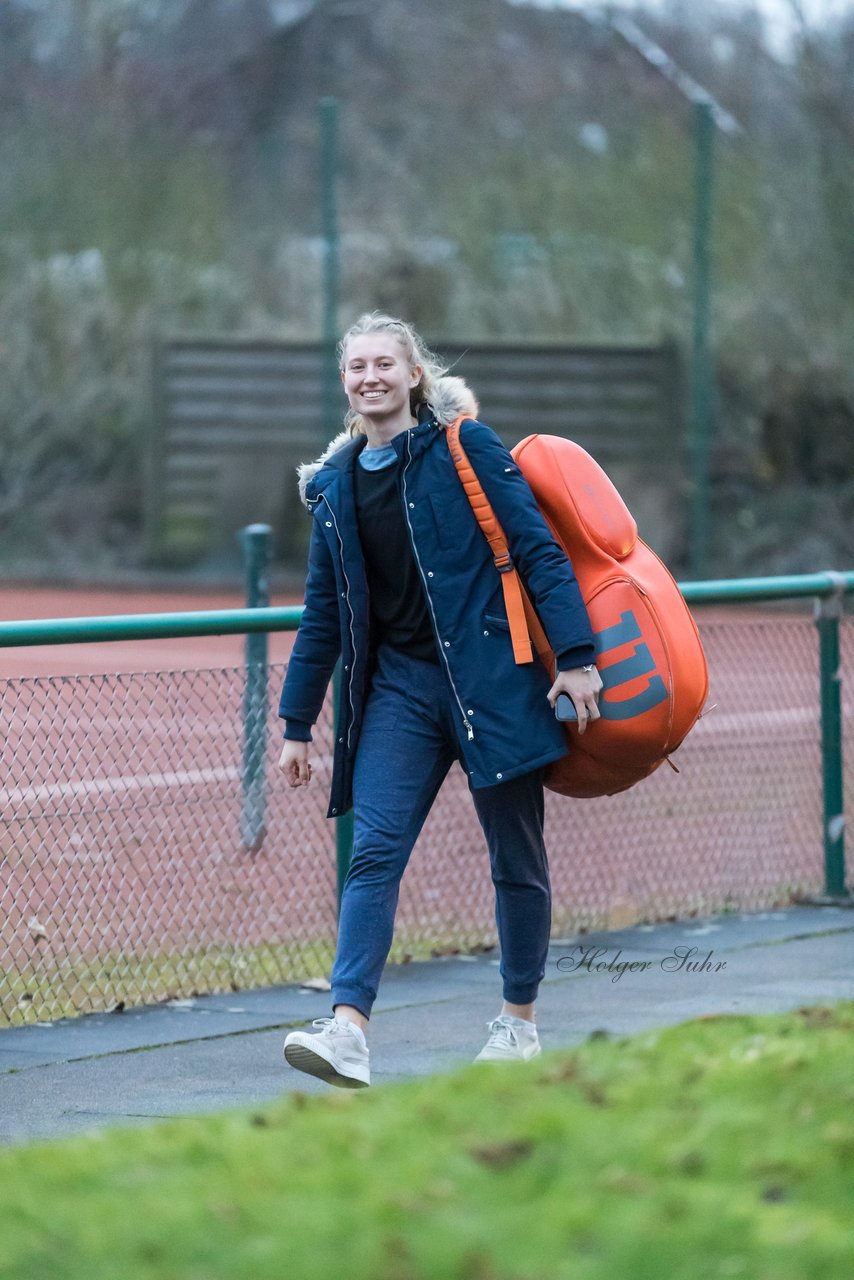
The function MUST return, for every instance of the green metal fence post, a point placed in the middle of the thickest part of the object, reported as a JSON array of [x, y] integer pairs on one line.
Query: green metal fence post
[[256, 541], [702, 378], [331, 386], [828, 615]]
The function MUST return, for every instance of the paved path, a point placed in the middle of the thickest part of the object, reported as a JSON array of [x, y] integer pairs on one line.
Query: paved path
[[225, 1051]]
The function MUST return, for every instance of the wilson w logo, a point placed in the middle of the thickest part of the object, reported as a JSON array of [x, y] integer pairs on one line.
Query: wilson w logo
[[639, 663]]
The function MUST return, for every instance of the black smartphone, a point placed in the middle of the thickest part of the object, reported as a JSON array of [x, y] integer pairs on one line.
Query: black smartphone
[[565, 707]]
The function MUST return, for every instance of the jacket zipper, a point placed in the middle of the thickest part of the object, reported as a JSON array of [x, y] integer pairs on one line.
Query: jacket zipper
[[466, 721], [352, 716]]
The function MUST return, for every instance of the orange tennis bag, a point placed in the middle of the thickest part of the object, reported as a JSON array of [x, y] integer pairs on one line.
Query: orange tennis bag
[[649, 653]]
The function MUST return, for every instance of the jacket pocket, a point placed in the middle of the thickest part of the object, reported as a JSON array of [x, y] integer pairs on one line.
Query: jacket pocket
[[495, 622]]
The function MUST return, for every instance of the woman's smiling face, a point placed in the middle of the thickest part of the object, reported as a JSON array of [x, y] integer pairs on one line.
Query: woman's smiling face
[[377, 376]]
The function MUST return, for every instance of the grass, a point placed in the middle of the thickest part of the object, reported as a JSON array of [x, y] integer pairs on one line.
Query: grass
[[722, 1147], [66, 986]]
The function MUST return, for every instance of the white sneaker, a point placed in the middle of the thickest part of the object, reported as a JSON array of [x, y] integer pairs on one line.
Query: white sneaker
[[510, 1040], [337, 1054]]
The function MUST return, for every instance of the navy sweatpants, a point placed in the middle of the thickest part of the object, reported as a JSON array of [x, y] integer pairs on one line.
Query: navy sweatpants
[[406, 747]]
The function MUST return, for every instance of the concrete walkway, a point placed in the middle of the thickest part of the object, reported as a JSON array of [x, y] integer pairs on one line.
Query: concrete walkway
[[226, 1051]]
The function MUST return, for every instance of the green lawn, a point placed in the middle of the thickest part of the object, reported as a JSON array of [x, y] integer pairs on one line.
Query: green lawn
[[722, 1147]]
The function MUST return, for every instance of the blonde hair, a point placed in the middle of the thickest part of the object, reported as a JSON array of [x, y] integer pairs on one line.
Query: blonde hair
[[417, 353]]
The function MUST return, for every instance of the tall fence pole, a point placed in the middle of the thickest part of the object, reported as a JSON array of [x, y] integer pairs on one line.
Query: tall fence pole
[[828, 615], [331, 398], [328, 111], [702, 380], [256, 541]]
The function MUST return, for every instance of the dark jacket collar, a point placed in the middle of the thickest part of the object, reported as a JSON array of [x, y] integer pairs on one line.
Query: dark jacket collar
[[343, 460]]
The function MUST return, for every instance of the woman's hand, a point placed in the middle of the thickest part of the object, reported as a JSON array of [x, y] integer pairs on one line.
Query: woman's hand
[[294, 764], [582, 687]]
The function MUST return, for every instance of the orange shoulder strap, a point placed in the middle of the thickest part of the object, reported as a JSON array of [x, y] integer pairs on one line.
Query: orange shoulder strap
[[524, 622]]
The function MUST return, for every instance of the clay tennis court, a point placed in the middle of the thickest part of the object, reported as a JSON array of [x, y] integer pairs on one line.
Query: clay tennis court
[[122, 807]]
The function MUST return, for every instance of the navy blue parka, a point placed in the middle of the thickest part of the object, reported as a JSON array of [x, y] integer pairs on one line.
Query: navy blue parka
[[505, 726]]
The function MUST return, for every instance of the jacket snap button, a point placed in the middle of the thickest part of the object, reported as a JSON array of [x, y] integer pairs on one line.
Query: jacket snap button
[[447, 644], [469, 712], [412, 504], [334, 810], [340, 739], [329, 524], [429, 573], [499, 776], [486, 633]]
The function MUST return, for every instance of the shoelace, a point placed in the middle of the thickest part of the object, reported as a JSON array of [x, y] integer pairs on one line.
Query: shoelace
[[329, 1024], [501, 1031], [334, 1027]]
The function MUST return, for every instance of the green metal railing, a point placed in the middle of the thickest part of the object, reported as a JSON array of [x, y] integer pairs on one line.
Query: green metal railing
[[259, 618], [149, 626]]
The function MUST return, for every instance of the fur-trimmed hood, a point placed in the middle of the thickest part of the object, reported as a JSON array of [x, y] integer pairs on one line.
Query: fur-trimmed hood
[[450, 399]]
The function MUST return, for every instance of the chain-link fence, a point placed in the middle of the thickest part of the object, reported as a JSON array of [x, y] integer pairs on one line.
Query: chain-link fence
[[125, 878]]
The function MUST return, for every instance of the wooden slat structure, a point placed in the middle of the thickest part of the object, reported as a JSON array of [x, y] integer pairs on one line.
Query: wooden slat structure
[[234, 416]]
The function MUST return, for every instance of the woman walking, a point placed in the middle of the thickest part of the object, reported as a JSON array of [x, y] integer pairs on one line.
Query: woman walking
[[402, 585]]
